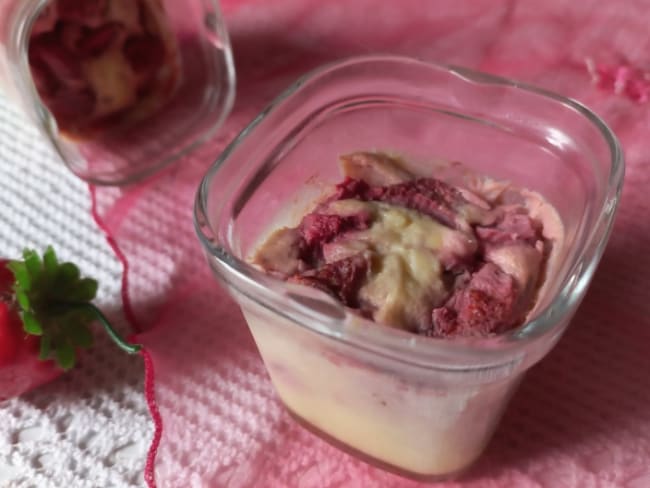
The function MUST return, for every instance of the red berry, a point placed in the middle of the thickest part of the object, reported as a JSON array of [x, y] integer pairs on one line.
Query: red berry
[[10, 324], [20, 368], [6, 277], [9, 334]]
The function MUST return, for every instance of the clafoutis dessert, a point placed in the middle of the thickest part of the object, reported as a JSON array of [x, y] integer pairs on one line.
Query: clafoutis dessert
[[417, 253], [408, 251], [98, 65]]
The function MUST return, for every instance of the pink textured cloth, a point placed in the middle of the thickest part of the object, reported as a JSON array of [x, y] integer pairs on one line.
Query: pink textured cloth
[[582, 416]]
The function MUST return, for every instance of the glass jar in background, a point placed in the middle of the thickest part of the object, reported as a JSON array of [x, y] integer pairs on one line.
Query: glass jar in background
[[121, 87]]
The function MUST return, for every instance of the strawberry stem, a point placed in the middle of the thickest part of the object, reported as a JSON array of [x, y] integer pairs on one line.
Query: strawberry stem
[[103, 320]]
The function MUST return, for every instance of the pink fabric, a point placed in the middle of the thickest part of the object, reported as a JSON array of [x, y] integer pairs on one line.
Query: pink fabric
[[581, 417]]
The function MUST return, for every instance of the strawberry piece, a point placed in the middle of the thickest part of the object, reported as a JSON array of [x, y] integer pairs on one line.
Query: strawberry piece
[[94, 42], [69, 35], [83, 11], [69, 106], [46, 83], [9, 336], [485, 305], [63, 64], [513, 227], [342, 278], [6, 277], [319, 229], [429, 196], [145, 53], [351, 188]]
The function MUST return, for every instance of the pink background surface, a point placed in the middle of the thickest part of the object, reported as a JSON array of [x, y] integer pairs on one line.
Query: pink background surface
[[581, 417]]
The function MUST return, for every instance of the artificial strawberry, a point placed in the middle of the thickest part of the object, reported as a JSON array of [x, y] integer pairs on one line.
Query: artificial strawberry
[[45, 314]]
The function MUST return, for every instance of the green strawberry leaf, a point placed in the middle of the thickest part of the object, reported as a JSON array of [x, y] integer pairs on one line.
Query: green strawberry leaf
[[79, 334], [31, 324], [50, 266], [21, 275], [23, 299], [50, 261], [46, 347], [83, 290], [65, 355], [68, 274], [48, 294], [33, 264], [55, 303]]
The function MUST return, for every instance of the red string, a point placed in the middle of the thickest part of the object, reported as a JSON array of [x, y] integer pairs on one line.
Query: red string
[[149, 373], [150, 397], [126, 299]]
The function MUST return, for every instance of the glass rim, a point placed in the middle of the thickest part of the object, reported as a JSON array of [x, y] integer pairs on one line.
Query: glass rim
[[504, 351]]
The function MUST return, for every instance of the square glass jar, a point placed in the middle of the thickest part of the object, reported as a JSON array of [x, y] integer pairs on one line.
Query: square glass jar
[[420, 406]]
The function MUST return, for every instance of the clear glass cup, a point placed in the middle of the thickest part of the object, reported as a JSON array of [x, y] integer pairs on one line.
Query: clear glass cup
[[419, 406], [183, 95]]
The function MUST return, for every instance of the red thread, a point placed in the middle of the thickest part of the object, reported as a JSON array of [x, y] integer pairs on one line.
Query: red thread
[[126, 298], [149, 375], [150, 397]]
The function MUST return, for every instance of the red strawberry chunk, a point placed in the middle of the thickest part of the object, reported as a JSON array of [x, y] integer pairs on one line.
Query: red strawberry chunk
[[145, 53], [6, 278], [69, 106], [351, 188], [513, 227], [343, 278], [485, 305], [9, 334], [317, 229], [429, 196], [83, 11], [46, 83], [10, 326], [94, 42], [63, 64]]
